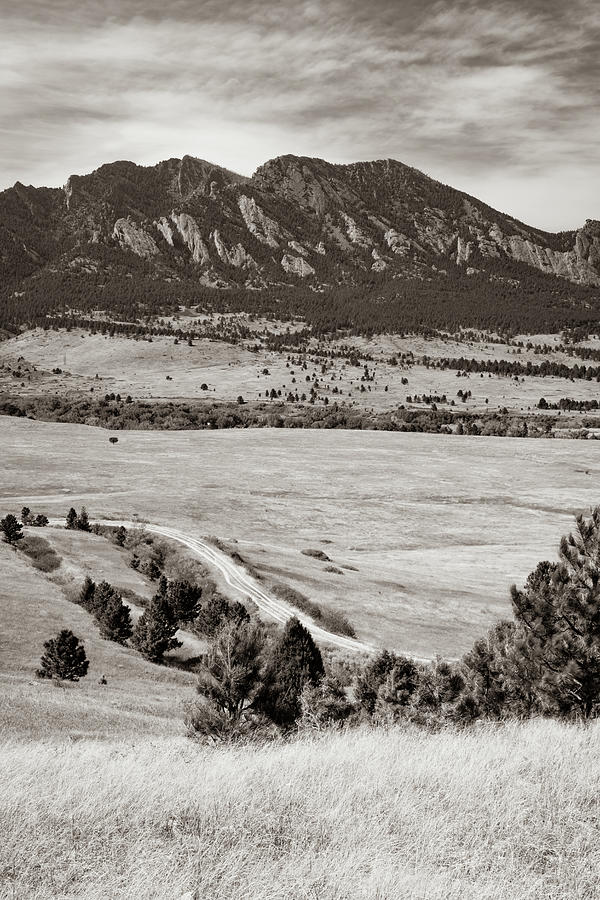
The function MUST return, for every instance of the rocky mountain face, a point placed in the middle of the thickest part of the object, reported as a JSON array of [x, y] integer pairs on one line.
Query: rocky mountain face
[[295, 221]]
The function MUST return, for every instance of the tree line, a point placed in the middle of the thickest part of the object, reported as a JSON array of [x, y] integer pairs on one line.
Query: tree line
[[123, 413]]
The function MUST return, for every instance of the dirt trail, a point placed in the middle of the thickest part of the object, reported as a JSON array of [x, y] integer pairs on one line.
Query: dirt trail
[[243, 583]]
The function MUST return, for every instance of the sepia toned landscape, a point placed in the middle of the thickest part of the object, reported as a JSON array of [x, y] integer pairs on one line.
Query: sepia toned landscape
[[299, 424]]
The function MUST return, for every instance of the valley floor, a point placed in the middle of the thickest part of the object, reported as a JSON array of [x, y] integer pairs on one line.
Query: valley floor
[[425, 533]]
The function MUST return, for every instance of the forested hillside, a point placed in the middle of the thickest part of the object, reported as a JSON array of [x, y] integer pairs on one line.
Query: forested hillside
[[367, 247]]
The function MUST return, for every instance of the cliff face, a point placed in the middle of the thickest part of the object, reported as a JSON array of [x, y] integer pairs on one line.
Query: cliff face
[[297, 220]]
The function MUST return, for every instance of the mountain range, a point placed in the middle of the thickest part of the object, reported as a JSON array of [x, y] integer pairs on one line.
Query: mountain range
[[296, 221]]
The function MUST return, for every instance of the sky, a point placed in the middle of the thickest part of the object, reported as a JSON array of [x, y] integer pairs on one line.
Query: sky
[[500, 98]]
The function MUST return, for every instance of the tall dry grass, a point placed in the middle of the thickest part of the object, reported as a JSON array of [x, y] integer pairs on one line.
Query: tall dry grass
[[507, 812]]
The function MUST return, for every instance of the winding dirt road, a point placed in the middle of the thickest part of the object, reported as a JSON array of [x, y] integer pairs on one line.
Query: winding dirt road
[[240, 581]]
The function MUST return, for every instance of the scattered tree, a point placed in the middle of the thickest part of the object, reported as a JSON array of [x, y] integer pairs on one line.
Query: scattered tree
[[155, 630], [64, 658], [11, 528]]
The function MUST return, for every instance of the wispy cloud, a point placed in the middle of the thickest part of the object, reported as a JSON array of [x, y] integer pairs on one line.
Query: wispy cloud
[[499, 99]]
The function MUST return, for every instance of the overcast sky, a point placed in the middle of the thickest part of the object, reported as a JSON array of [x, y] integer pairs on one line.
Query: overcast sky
[[500, 99]]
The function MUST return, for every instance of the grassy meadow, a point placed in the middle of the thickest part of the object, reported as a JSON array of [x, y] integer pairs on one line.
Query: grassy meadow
[[140, 698], [506, 813], [433, 529], [161, 369]]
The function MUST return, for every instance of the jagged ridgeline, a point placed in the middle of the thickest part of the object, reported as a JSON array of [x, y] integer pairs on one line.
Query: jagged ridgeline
[[372, 246]]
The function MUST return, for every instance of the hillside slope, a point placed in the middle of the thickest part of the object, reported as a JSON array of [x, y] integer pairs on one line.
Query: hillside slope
[[186, 225], [485, 814]]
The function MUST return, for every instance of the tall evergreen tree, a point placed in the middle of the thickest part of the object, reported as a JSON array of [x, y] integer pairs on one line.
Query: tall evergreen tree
[[155, 630], [184, 599], [114, 619], [64, 658], [83, 523], [295, 662], [229, 676], [11, 528], [558, 614], [71, 520]]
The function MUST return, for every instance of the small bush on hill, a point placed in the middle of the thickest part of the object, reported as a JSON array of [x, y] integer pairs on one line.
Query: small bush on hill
[[330, 619], [42, 555], [316, 554]]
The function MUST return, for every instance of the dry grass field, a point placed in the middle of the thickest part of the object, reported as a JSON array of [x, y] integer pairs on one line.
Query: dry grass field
[[434, 527], [163, 370], [139, 698], [506, 813]]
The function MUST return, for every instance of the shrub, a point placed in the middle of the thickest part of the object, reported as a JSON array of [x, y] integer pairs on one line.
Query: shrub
[[330, 619], [42, 555], [316, 554]]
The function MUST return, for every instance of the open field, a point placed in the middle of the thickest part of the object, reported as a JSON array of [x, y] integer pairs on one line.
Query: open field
[[505, 813], [434, 527], [162, 370]]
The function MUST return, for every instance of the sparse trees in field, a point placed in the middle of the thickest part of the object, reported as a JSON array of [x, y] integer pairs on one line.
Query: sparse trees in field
[[120, 536], [83, 523], [78, 522], [11, 529], [64, 658], [155, 630], [106, 605], [216, 611], [86, 595]]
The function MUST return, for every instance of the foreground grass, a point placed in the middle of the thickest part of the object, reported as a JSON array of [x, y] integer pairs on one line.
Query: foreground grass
[[508, 812]]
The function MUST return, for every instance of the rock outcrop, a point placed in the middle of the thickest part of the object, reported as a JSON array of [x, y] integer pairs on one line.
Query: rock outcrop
[[132, 237]]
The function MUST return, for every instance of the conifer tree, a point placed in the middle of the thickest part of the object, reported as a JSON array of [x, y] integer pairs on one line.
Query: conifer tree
[[83, 523], [295, 662], [64, 658], [114, 619], [184, 600], [154, 632], [229, 676], [86, 595], [12, 529], [558, 614], [71, 521]]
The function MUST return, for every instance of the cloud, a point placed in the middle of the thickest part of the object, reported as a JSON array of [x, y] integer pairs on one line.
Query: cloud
[[479, 95]]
